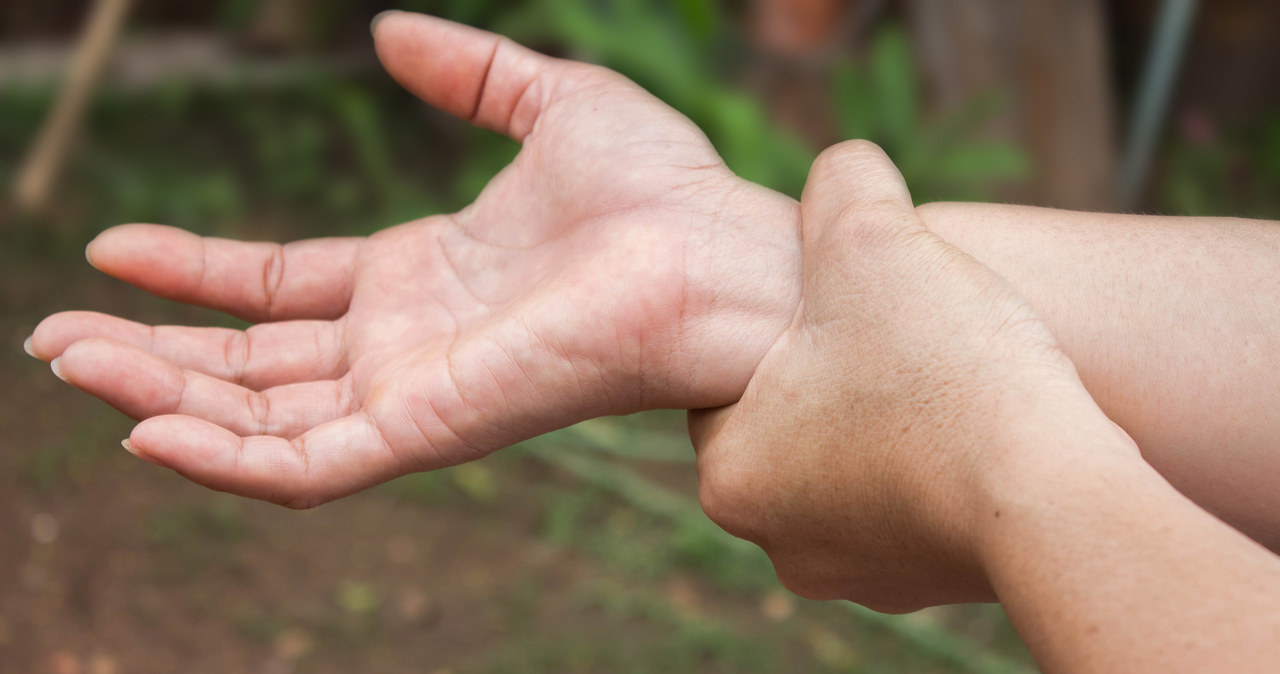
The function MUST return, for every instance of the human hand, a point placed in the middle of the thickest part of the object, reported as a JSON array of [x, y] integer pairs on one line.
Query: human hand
[[912, 384], [615, 265]]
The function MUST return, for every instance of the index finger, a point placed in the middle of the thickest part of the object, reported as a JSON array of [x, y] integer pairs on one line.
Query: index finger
[[257, 281]]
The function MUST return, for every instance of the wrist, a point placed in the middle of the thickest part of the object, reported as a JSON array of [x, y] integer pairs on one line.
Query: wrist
[[1062, 477], [739, 301]]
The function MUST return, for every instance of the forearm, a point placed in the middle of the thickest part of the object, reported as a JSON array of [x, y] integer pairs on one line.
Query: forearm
[[1103, 567], [1174, 326]]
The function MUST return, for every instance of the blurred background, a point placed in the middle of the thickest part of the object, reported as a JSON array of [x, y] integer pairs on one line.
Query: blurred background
[[584, 550]]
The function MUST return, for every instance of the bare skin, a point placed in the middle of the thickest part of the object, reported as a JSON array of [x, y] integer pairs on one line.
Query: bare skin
[[618, 265], [1174, 325], [917, 437]]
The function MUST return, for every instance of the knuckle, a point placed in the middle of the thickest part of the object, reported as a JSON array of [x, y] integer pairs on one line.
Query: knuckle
[[880, 226], [726, 496], [303, 494], [302, 501], [235, 353], [798, 571], [259, 405], [586, 74], [802, 577], [272, 278], [798, 583]]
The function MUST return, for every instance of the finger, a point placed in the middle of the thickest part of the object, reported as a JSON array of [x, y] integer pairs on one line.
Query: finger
[[265, 355], [861, 234], [854, 188], [478, 76], [257, 281], [333, 460], [142, 385]]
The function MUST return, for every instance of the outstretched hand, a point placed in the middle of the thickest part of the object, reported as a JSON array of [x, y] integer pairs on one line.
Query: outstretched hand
[[615, 265]]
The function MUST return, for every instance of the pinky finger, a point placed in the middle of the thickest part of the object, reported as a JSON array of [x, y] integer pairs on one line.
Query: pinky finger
[[330, 461]]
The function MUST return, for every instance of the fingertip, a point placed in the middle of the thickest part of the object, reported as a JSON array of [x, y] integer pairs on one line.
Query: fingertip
[[129, 239], [57, 332], [846, 168], [262, 467], [854, 182], [128, 378], [56, 366], [842, 153], [178, 441], [37, 344], [468, 72], [160, 259], [104, 244], [138, 452], [69, 369], [379, 18]]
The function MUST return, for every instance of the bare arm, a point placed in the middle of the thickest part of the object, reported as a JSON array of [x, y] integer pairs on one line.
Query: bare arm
[[568, 291], [1174, 326], [917, 437], [1103, 567]]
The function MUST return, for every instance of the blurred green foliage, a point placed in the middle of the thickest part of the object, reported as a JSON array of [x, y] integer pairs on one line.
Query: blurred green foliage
[[1236, 172], [679, 51], [940, 159], [352, 154]]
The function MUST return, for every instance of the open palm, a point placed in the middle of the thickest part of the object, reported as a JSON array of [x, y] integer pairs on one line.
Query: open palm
[[615, 265]]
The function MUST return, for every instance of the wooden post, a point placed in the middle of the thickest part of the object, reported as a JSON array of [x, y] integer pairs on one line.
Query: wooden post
[[798, 28], [1050, 59], [40, 169]]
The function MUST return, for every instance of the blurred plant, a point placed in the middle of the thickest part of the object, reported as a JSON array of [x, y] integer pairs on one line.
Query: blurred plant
[[673, 49], [699, 545], [351, 156], [212, 521], [211, 158], [940, 160], [1214, 172]]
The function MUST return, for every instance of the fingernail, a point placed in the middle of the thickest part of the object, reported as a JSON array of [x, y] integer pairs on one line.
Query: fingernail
[[88, 252], [56, 366], [26, 346], [145, 457], [373, 25]]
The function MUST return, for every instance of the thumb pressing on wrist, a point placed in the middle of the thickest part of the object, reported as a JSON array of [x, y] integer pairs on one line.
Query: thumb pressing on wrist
[[858, 456], [855, 195]]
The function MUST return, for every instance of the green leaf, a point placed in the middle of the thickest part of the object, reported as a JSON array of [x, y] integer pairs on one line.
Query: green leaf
[[854, 101], [476, 481], [358, 599], [893, 74], [983, 161], [700, 17], [1269, 150]]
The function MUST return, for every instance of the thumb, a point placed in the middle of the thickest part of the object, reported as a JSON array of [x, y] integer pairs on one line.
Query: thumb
[[855, 190], [478, 76], [865, 249]]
